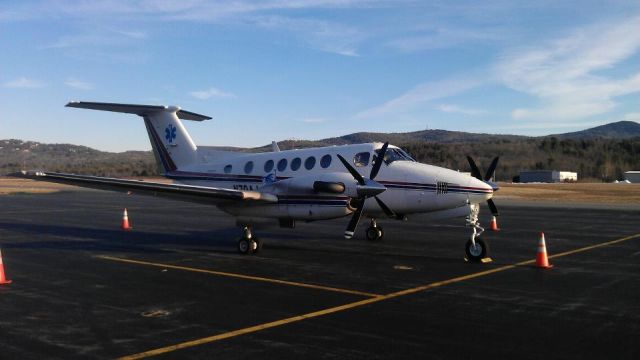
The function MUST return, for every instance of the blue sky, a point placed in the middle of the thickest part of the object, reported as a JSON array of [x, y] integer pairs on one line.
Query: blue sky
[[310, 69]]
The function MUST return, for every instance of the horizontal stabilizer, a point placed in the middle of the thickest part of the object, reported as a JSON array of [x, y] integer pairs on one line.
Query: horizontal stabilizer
[[142, 110]]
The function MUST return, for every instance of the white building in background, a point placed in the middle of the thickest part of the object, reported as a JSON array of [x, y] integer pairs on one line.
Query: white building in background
[[568, 176], [547, 176], [632, 176]]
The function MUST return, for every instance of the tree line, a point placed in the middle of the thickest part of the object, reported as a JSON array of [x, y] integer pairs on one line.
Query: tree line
[[593, 159], [597, 159]]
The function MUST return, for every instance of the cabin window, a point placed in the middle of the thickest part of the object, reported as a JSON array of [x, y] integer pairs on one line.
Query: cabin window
[[310, 163], [227, 169], [282, 165], [268, 166], [295, 164], [361, 159], [248, 167], [325, 161]]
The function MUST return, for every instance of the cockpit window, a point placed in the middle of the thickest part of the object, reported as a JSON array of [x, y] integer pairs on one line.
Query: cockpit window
[[361, 159], [395, 154]]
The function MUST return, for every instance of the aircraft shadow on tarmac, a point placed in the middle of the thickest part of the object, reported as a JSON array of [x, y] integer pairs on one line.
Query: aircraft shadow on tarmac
[[221, 241], [79, 238]]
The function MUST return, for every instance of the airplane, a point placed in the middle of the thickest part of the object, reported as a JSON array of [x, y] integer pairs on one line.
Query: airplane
[[372, 179]]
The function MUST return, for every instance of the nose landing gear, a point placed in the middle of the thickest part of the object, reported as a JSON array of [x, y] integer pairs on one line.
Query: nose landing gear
[[374, 231], [476, 249], [248, 244]]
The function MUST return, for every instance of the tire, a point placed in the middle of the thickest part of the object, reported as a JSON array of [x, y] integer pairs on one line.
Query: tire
[[244, 246], [257, 247], [374, 233], [476, 254]]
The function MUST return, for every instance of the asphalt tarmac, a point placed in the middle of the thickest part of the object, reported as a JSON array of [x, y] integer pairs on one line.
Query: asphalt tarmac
[[175, 286]]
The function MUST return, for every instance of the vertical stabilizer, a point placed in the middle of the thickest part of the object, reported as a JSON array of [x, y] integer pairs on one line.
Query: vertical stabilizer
[[171, 143]]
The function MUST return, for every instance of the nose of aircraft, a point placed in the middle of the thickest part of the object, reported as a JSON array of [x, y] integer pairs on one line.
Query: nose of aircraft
[[480, 190]]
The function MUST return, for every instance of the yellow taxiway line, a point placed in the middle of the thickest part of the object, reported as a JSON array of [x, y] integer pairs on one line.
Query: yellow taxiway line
[[356, 304], [238, 276]]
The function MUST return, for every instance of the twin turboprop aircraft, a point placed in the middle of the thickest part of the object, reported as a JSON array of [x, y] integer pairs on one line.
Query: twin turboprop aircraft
[[373, 180]]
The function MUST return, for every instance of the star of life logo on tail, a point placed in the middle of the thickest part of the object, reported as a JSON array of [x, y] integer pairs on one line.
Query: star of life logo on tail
[[170, 133]]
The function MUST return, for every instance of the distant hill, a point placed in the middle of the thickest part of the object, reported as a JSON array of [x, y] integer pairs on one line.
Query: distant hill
[[431, 136], [603, 152], [616, 130], [437, 136], [18, 154]]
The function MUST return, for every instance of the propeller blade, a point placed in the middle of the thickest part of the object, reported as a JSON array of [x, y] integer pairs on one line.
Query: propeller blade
[[385, 208], [353, 223], [356, 175], [379, 160], [475, 172], [492, 206], [492, 169]]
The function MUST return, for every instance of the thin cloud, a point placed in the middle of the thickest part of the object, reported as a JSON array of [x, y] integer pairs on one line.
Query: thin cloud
[[210, 93], [444, 37], [78, 84], [133, 34], [321, 35], [102, 45], [313, 120], [460, 110], [24, 83], [420, 95], [328, 36], [566, 74], [98, 37]]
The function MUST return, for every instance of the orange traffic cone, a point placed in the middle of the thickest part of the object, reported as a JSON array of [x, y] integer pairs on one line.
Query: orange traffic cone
[[125, 221], [541, 259], [494, 224], [3, 279]]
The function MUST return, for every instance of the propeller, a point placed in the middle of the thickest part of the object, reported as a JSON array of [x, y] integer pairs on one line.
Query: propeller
[[366, 188], [475, 172]]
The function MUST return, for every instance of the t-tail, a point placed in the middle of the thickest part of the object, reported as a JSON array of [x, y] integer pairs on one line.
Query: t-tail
[[172, 146]]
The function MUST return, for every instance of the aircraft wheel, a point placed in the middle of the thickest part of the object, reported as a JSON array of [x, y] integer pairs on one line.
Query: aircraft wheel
[[477, 252], [256, 245], [374, 233], [245, 246]]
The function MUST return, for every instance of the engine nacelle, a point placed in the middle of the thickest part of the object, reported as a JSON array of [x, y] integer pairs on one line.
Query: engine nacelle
[[326, 183]]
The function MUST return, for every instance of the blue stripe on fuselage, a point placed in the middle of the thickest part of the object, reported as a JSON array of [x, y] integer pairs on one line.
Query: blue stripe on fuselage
[[183, 175]]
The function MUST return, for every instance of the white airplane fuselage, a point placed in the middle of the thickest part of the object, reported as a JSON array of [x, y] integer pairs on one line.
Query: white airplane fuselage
[[411, 187]]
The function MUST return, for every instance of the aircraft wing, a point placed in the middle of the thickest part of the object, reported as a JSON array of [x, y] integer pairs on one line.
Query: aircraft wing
[[198, 194]]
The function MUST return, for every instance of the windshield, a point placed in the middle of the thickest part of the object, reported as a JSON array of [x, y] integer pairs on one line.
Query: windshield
[[395, 154]]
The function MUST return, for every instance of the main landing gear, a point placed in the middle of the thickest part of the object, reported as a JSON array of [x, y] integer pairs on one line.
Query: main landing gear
[[476, 249], [248, 244], [374, 231]]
